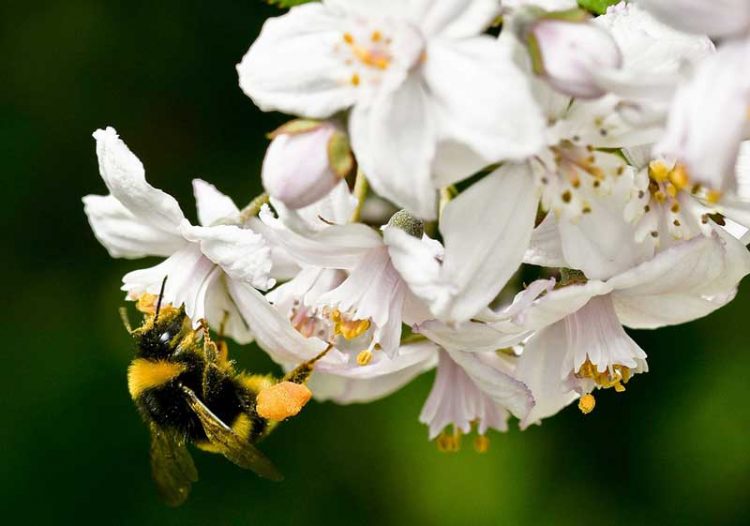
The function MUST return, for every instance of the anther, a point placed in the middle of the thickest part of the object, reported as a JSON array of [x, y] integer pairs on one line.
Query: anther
[[364, 357], [481, 444], [586, 403]]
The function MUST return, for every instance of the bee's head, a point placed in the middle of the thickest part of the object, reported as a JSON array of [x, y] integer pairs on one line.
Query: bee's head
[[157, 338]]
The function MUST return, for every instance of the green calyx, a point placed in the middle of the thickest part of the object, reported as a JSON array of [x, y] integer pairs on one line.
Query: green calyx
[[407, 222]]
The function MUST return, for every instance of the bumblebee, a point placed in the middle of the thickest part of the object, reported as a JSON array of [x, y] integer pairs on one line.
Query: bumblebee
[[187, 391]]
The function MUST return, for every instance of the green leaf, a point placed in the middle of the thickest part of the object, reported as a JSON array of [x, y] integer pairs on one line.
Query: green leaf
[[597, 6], [286, 4]]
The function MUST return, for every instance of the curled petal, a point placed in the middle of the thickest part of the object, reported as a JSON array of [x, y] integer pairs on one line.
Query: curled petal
[[125, 235], [213, 206], [241, 253], [124, 175]]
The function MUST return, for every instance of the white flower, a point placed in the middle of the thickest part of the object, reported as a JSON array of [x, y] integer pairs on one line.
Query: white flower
[[429, 94], [577, 342], [204, 263], [474, 389]]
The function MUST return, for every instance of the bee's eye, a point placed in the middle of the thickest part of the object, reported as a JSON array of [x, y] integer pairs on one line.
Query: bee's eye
[[165, 337]]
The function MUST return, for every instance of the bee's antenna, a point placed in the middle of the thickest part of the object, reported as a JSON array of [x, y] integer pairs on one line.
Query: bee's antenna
[[161, 295]]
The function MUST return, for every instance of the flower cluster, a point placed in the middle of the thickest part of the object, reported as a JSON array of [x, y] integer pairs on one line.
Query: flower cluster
[[443, 151]]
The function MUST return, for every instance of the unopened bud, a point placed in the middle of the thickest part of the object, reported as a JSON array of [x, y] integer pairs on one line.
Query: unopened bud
[[567, 51], [305, 161], [407, 222]]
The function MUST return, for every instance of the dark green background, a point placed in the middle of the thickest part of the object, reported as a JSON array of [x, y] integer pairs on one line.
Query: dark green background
[[673, 449]]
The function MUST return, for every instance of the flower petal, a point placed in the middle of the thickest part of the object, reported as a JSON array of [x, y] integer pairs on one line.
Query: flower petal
[[338, 246], [540, 368], [493, 375], [394, 142], [482, 100], [716, 18], [213, 206], [684, 282], [241, 253], [292, 67], [454, 18], [545, 246], [124, 175], [708, 117], [456, 400], [272, 330], [123, 234], [479, 260], [370, 382], [189, 275]]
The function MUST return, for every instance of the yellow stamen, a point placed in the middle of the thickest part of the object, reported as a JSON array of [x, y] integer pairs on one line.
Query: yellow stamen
[[349, 329], [678, 177], [586, 403], [481, 444], [658, 171], [348, 38], [376, 36], [448, 443], [355, 80], [713, 196], [364, 357]]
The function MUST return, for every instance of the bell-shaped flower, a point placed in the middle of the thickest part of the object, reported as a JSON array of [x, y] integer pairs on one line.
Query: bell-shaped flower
[[203, 265], [577, 340], [368, 306], [429, 94], [473, 389], [305, 161]]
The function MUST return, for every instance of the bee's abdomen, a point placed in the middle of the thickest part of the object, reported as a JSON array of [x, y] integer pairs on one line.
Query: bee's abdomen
[[167, 407]]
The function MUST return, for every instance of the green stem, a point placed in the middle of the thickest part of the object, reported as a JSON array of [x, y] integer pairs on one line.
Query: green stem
[[361, 188], [253, 208]]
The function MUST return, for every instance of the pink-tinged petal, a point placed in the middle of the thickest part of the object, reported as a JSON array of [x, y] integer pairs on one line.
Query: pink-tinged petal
[[559, 303], [483, 101], [545, 246], [454, 18], [472, 336], [338, 246], [189, 275], [708, 117], [125, 235], [364, 383], [241, 253], [540, 368], [272, 330], [718, 18], [682, 283], [293, 66], [594, 333], [494, 376], [124, 175], [478, 261], [213, 206], [456, 400], [394, 142]]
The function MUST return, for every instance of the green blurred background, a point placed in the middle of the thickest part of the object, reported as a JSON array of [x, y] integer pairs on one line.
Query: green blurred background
[[672, 449]]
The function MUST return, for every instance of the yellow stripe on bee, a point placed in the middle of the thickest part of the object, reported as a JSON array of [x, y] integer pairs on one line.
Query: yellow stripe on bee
[[242, 426], [255, 383], [145, 374]]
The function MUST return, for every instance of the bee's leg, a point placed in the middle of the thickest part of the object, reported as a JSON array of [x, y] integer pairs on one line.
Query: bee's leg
[[302, 372], [125, 319]]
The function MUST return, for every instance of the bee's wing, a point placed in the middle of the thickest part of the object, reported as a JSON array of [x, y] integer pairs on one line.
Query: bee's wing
[[172, 466], [233, 447]]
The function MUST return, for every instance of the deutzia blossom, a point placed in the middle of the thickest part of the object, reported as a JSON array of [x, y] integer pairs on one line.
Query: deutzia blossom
[[203, 265], [429, 94]]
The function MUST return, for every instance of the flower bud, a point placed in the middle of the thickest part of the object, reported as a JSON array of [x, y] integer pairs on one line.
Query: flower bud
[[407, 222], [305, 161], [567, 51]]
